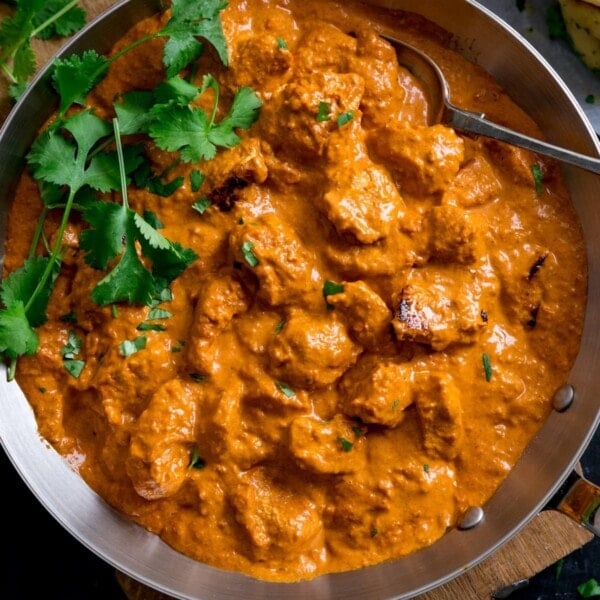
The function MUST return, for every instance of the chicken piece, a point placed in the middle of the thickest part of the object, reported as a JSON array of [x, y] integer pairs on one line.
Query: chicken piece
[[377, 391], [453, 236], [475, 184], [273, 252], [312, 350], [336, 446], [439, 307], [513, 161], [367, 316], [324, 47], [440, 415], [362, 200], [424, 160], [159, 452], [377, 64], [296, 109], [276, 519], [220, 300], [258, 59]]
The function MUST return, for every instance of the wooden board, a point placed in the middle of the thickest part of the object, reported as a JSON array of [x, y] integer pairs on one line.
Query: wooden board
[[549, 537]]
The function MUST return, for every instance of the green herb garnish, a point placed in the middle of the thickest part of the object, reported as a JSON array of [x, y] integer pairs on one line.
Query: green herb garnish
[[345, 118], [285, 389], [538, 179], [248, 254], [589, 588], [323, 112], [129, 347], [201, 205], [487, 366], [196, 461], [281, 44], [347, 445]]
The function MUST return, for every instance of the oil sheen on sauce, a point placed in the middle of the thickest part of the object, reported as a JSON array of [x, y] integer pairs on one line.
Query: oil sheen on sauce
[[341, 431]]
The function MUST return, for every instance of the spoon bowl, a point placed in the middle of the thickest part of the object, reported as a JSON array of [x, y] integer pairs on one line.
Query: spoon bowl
[[442, 110]]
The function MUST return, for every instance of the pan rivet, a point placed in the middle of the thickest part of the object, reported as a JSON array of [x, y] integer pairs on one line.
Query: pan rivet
[[563, 397], [471, 518]]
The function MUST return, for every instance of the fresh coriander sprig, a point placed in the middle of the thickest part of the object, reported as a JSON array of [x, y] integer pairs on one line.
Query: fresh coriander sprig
[[33, 18]]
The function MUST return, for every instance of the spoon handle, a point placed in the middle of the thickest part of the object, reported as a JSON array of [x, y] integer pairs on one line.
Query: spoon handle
[[476, 123]]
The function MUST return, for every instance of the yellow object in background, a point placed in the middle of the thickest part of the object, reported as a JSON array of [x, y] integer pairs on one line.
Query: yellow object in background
[[582, 20]]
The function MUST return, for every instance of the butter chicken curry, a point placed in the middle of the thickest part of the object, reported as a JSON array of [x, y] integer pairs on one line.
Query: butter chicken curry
[[372, 313]]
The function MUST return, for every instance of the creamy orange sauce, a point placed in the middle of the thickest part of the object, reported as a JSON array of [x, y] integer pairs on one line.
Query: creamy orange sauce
[[336, 433]]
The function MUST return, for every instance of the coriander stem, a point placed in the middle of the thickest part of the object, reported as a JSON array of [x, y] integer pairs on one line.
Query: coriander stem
[[12, 368], [55, 256], [57, 15], [122, 173], [37, 233], [9, 73], [131, 46]]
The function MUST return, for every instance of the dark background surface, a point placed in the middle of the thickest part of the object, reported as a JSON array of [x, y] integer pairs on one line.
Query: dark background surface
[[43, 561]]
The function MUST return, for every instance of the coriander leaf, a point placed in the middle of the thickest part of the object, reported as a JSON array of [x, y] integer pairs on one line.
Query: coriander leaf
[[164, 189], [129, 347], [75, 76], [73, 346], [185, 129], [323, 112], [159, 313], [201, 205], [16, 334], [20, 285], [248, 254], [69, 317], [198, 377], [103, 172], [191, 19], [176, 90], [487, 366], [133, 111], [331, 288], [281, 43], [196, 461], [129, 281], [285, 389], [244, 112], [151, 327], [152, 219], [196, 180], [74, 366], [65, 24], [24, 62], [538, 179], [345, 118], [104, 240], [347, 445], [181, 49]]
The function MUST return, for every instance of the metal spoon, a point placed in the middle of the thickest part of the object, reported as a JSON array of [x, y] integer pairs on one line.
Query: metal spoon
[[441, 110]]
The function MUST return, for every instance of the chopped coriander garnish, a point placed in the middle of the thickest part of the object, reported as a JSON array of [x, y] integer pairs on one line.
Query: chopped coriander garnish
[[175, 349], [330, 288], [196, 180], [241, 221], [374, 531], [281, 44], [159, 313], [73, 346], [590, 99], [249, 256], [145, 326], [538, 178], [323, 112], [395, 404], [129, 347], [345, 118], [74, 366], [198, 377], [201, 205], [69, 352], [42, 390], [426, 468], [196, 461], [487, 366], [285, 389], [114, 311], [589, 588], [347, 445], [279, 327]]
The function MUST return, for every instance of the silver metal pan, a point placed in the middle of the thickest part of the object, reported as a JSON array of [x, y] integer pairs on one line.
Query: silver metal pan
[[546, 464]]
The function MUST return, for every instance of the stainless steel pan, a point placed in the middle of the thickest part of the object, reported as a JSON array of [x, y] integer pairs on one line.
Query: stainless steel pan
[[548, 461]]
